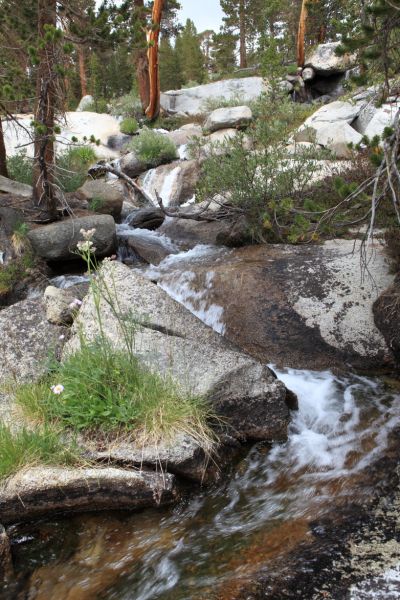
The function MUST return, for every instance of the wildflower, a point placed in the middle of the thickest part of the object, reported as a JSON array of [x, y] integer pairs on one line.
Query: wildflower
[[61, 337], [88, 233], [86, 246], [76, 303], [57, 389]]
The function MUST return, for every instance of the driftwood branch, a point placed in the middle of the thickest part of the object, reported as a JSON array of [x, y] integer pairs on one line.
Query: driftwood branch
[[107, 168]]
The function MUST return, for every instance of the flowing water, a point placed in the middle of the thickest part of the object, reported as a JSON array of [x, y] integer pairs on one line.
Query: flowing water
[[217, 538]]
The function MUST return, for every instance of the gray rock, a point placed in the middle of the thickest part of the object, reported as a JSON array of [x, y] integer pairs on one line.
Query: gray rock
[[285, 86], [151, 248], [58, 304], [118, 141], [104, 197], [333, 112], [173, 342], [40, 491], [184, 136], [216, 143], [85, 103], [26, 340], [335, 136], [9, 186], [308, 74], [193, 101], [58, 241], [225, 118], [146, 218], [325, 62], [381, 118], [131, 165], [190, 233]]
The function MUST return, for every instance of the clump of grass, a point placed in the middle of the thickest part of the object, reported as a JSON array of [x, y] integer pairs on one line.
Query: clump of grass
[[106, 389], [28, 448], [153, 148], [129, 126], [15, 271]]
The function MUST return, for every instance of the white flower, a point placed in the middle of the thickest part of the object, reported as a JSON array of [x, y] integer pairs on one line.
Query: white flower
[[61, 337], [86, 246], [57, 389], [88, 233]]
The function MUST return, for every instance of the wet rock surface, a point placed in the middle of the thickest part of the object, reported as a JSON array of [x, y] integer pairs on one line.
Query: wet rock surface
[[36, 492]]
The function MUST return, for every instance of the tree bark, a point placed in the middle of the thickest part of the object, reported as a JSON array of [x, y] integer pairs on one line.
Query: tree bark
[[141, 60], [153, 108], [43, 172], [3, 155], [301, 34], [82, 70], [242, 35]]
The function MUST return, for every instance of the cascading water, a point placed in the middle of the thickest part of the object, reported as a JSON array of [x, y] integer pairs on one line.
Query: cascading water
[[222, 536]]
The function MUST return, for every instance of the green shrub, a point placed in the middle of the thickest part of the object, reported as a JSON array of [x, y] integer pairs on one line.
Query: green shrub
[[72, 166], [29, 448], [127, 106], [153, 148], [20, 167], [129, 126]]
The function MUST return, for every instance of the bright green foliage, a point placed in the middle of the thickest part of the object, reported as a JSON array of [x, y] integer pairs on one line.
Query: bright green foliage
[[129, 126], [20, 167], [153, 148], [108, 389], [191, 58], [30, 448], [72, 166]]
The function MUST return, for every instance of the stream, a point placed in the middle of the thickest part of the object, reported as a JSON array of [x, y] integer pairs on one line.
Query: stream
[[218, 538]]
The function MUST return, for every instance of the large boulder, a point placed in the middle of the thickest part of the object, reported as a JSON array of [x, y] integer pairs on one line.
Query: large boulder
[[104, 197], [335, 136], [224, 118], [324, 61], [61, 303], [183, 136], [191, 232], [193, 101], [146, 218], [9, 186], [38, 491], [296, 306], [26, 340], [333, 112], [173, 342], [58, 241], [217, 143], [372, 121], [147, 245]]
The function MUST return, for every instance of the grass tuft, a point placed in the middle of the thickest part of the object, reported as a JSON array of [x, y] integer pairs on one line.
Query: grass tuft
[[28, 448], [108, 390], [153, 148]]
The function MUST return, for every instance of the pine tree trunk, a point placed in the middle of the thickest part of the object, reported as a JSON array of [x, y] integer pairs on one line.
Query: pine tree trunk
[[153, 108], [43, 172], [301, 34], [82, 70], [3, 155], [142, 62], [242, 35]]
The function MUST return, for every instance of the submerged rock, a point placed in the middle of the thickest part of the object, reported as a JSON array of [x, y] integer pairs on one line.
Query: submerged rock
[[38, 491]]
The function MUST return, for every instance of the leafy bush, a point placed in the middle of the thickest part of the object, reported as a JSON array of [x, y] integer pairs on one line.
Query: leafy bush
[[129, 126], [72, 166], [20, 167], [29, 448], [153, 148], [267, 185], [127, 106]]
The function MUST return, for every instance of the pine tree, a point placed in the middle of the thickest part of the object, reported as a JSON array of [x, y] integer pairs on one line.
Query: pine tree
[[223, 52], [243, 19], [190, 55], [170, 73]]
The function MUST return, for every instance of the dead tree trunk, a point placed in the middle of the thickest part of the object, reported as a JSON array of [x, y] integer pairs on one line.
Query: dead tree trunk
[[82, 70], [301, 34], [43, 176], [3, 155], [153, 107], [242, 35]]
